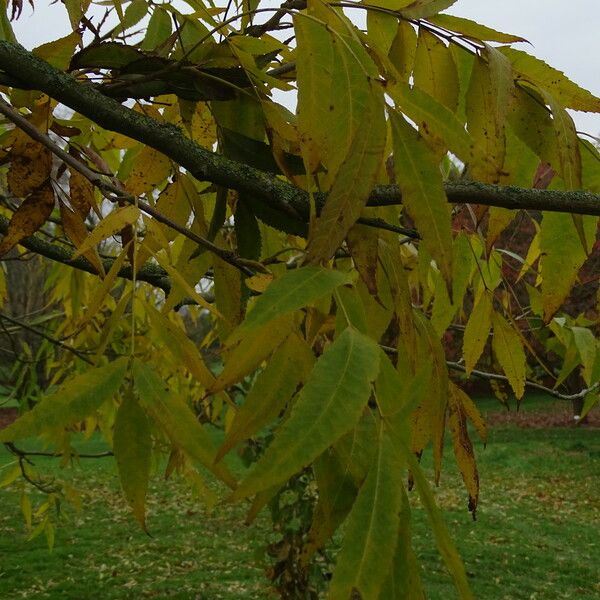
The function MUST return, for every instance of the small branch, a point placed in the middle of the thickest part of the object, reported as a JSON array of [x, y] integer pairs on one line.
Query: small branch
[[26, 453], [530, 384], [497, 377], [115, 192], [47, 337]]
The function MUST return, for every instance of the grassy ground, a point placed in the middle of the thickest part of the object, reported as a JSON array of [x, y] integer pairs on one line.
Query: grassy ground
[[536, 536]]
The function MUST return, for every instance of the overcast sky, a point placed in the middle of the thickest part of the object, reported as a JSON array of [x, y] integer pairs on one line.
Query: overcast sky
[[564, 34]]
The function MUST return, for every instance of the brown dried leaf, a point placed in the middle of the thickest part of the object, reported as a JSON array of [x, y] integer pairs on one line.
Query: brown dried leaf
[[30, 165], [76, 231], [29, 217], [82, 194]]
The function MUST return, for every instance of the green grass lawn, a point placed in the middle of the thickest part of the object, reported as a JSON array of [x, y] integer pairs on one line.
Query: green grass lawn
[[537, 534]]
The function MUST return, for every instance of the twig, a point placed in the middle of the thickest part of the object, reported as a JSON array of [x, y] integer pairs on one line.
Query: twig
[[530, 384], [114, 192], [47, 337], [497, 377]]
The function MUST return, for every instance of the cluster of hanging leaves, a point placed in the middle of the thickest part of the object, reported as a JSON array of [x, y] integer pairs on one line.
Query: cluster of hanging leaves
[[341, 337]]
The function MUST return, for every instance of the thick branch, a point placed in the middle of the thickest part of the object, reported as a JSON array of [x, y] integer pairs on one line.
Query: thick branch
[[256, 185], [515, 198]]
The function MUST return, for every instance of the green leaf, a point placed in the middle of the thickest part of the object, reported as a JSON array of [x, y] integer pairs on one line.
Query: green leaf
[[473, 29], [561, 258], [352, 184], [509, 351], [587, 347], [371, 531], [433, 117], [555, 82], [486, 121], [435, 70], [404, 579], [477, 331], [423, 194], [6, 32], [328, 406], [108, 55], [463, 447], [246, 349], [76, 399], [132, 446], [422, 9], [158, 30], [567, 144], [177, 420], [290, 365], [444, 542], [294, 290], [58, 53], [314, 67], [336, 87]]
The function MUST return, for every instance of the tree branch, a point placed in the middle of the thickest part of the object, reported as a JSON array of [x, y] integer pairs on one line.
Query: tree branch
[[149, 273], [262, 187]]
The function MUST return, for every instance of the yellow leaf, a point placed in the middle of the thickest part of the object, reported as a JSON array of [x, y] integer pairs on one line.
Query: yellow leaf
[[509, 351], [150, 168], [423, 194], [30, 165], [81, 197], [352, 184], [435, 71], [132, 446], [477, 331], [463, 448], [29, 217], [77, 232], [110, 225]]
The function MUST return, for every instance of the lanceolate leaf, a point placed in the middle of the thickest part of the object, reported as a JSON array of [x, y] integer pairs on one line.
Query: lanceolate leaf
[[473, 29], [463, 448], [329, 405], [371, 532], [314, 70], [485, 123], [433, 117], [78, 398], [509, 351], [423, 194], [569, 94], [288, 367], [444, 542], [353, 183], [132, 446], [404, 579], [421, 9], [245, 351], [29, 217], [567, 144], [477, 331], [435, 71], [177, 420], [295, 290], [562, 256], [113, 223]]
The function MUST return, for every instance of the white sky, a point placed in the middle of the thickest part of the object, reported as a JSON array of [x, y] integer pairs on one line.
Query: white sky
[[564, 34]]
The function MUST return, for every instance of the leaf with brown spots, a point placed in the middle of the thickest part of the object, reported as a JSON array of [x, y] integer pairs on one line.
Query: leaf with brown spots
[[82, 194], [463, 448], [29, 217], [30, 165], [76, 231]]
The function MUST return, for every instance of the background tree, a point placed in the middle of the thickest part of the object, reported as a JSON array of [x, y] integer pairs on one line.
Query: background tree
[[324, 250]]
